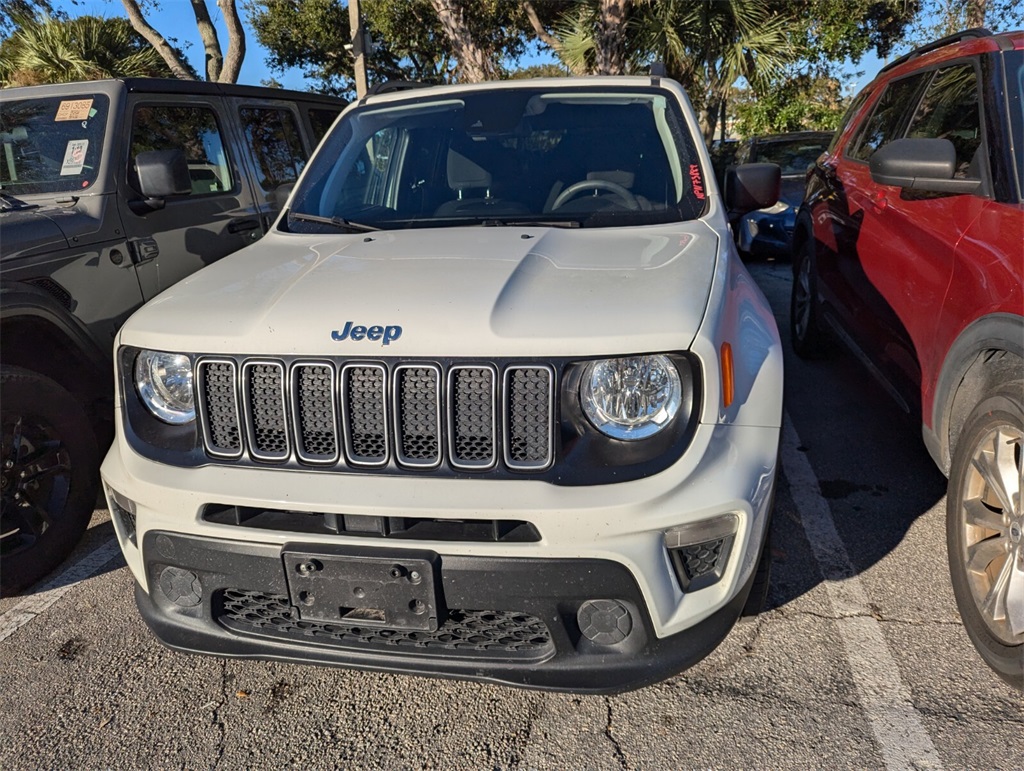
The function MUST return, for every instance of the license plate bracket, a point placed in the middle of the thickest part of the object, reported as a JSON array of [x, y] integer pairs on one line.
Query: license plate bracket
[[395, 590]]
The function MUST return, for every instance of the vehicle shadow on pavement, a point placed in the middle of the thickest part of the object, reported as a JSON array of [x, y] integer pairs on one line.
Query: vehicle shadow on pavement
[[871, 466], [97, 554]]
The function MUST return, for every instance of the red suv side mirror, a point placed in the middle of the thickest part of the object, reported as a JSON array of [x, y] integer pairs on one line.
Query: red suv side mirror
[[920, 164]]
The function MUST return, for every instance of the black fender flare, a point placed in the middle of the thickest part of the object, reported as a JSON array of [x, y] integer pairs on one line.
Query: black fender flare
[[998, 331], [19, 300]]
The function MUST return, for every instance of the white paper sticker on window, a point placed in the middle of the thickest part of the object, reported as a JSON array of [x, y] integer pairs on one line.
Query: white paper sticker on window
[[74, 109], [74, 157]]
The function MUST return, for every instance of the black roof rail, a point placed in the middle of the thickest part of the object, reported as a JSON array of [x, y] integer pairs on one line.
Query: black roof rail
[[967, 34], [391, 86]]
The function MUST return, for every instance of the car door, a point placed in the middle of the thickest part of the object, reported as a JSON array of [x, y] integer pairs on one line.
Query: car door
[[215, 219], [908, 240], [840, 221]]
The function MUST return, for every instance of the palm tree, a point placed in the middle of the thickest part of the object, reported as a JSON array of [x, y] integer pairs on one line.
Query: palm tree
[[705, 44], [49, 50]]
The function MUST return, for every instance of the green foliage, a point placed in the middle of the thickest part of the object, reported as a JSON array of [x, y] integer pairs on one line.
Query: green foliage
[[828, 32], [804, 103], [939, 18], [408, 41], [51, 50], [13, 11]]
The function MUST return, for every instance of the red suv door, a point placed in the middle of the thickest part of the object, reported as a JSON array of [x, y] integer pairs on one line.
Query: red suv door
[[889, 271]]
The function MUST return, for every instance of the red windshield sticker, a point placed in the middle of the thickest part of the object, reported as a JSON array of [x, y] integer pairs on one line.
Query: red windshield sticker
[[697, 182]]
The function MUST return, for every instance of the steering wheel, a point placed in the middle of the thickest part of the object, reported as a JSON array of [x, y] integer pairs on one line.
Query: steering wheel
[[596, 184]]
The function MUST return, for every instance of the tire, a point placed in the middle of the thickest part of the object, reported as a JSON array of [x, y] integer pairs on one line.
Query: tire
[[809, 339], [50, 474], [985, 531]]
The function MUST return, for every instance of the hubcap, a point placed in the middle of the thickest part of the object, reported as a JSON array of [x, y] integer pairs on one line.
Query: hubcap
[[993, 532], [34, 482]]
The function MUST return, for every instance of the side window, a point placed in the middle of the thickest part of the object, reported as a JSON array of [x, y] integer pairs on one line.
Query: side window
[[194, 131], [273, 136], [887, 119], [847, 117], [321, 121], [950, 110]]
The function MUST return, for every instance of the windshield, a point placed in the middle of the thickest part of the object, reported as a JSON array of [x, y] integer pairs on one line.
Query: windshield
[[575, 158], [51, 145], [792, 156]]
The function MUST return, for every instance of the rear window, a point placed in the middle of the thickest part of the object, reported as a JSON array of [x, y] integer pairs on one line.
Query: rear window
[[579, 157]]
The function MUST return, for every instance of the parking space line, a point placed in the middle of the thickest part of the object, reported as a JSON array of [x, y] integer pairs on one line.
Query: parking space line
[[896, 724], [47, 594]]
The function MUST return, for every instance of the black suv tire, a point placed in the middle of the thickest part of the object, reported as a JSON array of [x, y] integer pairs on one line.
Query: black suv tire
[[49, 476], [808, 336]]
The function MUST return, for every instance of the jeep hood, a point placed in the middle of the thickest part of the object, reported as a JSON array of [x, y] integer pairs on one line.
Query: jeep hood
[[480, 291]]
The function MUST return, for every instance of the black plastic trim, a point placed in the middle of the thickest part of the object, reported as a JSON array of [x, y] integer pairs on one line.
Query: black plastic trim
[[957, 37], [550, 589], [581, 454]]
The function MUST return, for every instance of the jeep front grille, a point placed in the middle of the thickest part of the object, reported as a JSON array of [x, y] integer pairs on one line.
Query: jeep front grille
[[413, 415]]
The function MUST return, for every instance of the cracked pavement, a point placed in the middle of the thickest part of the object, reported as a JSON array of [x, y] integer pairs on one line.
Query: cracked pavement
[[87, 686]]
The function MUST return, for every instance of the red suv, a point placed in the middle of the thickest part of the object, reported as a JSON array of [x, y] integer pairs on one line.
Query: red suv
[[909, 248]]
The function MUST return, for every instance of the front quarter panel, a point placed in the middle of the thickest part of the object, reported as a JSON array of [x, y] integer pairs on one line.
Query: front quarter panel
[[738, 314]]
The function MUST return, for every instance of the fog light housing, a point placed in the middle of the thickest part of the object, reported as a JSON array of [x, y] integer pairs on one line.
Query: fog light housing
[[700, 552], [182, 587], [123, 511], [604, 622]]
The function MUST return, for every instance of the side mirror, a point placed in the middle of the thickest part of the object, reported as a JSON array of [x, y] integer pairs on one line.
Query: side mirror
[[751, 186], [161, 173], [920, 164], [278, 197]]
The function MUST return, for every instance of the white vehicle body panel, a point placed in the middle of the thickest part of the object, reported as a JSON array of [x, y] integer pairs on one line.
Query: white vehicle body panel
[[522, 292]]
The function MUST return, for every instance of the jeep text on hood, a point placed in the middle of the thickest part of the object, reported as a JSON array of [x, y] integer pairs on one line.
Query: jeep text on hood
[[495, 400]]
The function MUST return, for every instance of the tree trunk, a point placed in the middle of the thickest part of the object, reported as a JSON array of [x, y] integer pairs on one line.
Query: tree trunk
[[169, 55], [610, 41], [976, 13], [236, 42], [546, 37], [211, 43], [474, 63]]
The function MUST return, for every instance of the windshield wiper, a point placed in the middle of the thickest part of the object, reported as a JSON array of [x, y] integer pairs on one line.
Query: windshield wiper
[[519, 222], [338, 222], [9, 203]]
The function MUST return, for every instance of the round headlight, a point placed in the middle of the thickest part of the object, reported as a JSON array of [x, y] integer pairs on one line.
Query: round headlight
[[631, 398], [164, 383]]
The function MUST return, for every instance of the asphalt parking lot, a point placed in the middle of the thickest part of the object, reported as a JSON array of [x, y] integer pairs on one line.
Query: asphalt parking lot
[[859, 660]]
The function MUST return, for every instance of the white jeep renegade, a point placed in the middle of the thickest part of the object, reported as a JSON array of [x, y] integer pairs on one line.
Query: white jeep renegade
[[494, 399]]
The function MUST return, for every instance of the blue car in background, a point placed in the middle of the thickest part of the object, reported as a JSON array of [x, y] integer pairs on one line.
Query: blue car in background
[[769, 232]]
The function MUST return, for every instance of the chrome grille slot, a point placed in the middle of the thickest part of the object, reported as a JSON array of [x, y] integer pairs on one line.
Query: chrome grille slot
[[218, 408], [418, 415], [529, 416], [471, 432], [316, 418], [364, 408], [263, 390]]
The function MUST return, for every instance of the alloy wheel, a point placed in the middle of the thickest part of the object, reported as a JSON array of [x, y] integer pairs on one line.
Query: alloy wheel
[[992, 524]]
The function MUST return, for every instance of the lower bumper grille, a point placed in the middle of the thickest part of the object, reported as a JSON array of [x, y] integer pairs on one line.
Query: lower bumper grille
[[484, 634]]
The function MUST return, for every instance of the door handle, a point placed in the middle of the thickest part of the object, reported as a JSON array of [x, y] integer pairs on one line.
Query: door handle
[[240, 226], [143, 250]]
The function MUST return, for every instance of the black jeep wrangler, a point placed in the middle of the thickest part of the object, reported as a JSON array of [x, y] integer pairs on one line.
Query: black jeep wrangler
[[110, 192]]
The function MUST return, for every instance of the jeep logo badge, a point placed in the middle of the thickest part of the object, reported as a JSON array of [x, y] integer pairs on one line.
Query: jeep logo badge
[[375, 333]]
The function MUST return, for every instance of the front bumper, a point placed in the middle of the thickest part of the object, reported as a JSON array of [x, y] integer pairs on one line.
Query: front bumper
[[592, 544], [237, 606]]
